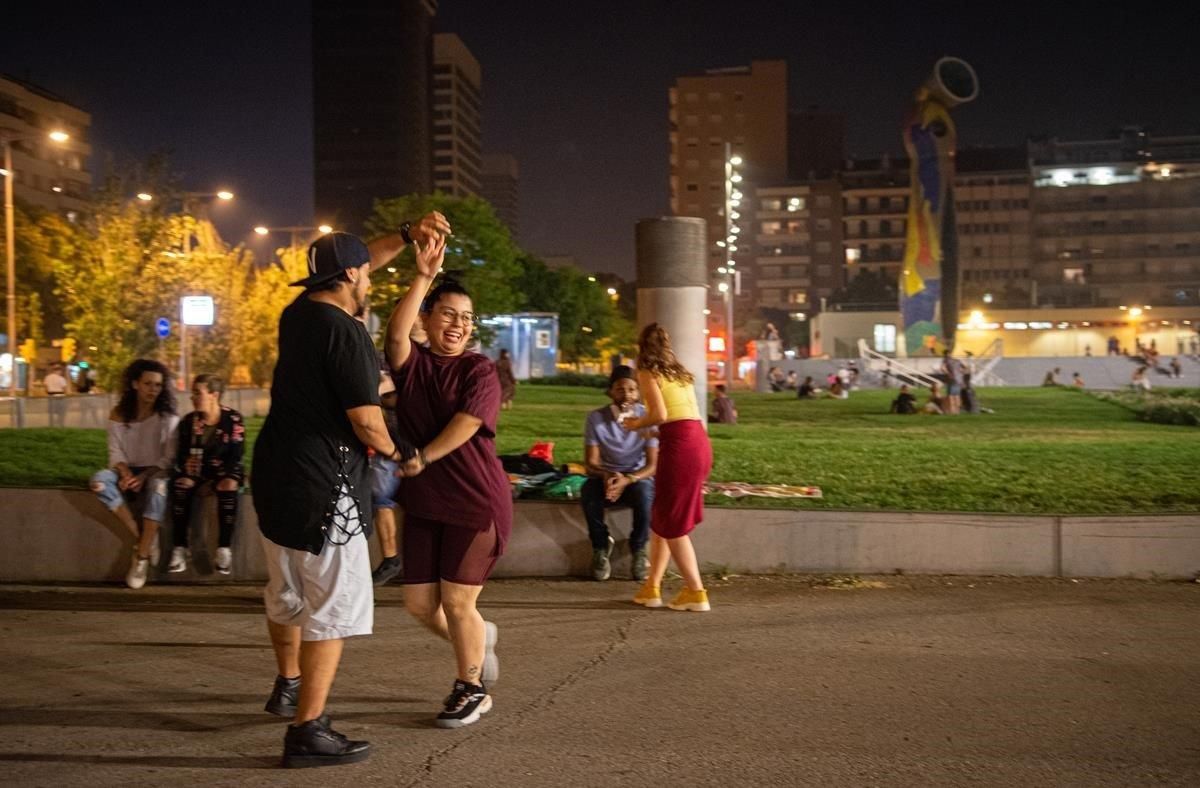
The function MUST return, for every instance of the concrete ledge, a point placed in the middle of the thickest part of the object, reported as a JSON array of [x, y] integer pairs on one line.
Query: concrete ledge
[[67, 536]]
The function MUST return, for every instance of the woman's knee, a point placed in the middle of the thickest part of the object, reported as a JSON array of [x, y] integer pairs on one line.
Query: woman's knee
[[461, 603], [227, 485], [421, 605], [184, 483]]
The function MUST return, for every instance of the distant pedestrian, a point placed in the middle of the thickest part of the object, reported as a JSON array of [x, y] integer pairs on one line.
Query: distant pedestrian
[[1176, 368], [508, 380], [684, 462], [55, 384]]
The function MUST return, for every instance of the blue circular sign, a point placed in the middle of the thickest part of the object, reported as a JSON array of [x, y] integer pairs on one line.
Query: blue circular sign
[[162, 327]]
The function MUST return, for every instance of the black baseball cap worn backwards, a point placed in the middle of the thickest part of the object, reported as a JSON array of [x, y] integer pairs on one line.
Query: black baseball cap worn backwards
[[330, 255]]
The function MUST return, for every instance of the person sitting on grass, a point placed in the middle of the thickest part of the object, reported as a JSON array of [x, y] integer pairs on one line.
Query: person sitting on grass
[[210, 444], [620, 466], [936, 404], [838, 390], [969, 403], [790, 382], [1051, 378], [1140, 380], [141, 431], [1076, 380], [808, 389], [905, 403], [776, 379], [724, 411]]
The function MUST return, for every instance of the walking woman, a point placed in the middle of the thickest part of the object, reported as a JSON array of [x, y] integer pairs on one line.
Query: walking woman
[[508, 380], [209, 451], [141, 434], [684, 462], [456, 497]]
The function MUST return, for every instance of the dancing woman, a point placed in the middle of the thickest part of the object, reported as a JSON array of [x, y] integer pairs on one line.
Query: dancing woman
[[684, 462], [456, 497]]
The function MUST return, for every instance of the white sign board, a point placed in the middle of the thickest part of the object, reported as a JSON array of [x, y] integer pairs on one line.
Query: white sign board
[[196, 310]]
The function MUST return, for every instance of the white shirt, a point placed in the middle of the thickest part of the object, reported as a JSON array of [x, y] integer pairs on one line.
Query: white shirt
[[55, 384], [143, 443]]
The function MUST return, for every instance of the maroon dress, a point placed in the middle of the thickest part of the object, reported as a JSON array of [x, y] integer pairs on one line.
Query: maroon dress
[[467, 488]]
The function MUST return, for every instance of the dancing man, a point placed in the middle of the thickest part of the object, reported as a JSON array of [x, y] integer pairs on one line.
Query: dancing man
[[311, 488]]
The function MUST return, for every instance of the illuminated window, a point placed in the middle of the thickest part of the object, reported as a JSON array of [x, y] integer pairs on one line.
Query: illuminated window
[[797, 297], [885, 338], [1073, 276], [795, 204]]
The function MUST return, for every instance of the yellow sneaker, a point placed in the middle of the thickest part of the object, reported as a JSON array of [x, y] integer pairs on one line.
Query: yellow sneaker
[[649, 596], [688, 599]]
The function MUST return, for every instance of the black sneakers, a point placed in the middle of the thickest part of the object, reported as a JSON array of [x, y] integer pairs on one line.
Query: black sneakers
[[284, 697], [314, 743], [465, 705], [388, 569]]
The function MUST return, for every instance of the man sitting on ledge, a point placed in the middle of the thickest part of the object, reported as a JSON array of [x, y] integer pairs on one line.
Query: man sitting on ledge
[[620, 467]]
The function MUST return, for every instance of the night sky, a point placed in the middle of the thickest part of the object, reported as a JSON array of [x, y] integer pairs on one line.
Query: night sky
[[580, 96]]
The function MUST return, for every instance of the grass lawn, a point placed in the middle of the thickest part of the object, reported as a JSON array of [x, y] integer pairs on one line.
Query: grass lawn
[[1043, 451]]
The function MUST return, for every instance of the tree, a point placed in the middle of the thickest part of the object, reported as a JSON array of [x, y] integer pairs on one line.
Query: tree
[[588, 320], [480, 254]]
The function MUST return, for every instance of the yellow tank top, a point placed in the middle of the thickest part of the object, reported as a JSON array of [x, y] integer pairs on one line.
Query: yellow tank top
[[680, 399]]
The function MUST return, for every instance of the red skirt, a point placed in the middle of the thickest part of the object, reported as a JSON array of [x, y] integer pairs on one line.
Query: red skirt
[[684, 462]]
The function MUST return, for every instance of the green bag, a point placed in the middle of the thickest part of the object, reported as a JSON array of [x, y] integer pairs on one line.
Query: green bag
[[569, 487]]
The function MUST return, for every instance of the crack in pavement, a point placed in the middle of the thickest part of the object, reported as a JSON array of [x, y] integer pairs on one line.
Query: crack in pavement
[[543, 701]]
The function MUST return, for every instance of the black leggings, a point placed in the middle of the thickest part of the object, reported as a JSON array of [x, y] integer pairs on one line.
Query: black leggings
[[181, 509]]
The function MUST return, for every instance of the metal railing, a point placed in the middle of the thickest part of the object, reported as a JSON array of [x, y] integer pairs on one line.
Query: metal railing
[[882, 367], [90, 411]]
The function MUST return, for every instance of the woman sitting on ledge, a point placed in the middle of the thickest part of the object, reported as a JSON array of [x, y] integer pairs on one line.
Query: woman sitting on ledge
[[141, 432], [210, 447]]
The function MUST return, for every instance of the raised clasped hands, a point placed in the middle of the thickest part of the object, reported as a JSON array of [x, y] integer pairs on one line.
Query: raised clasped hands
[[430, 255], [431, 226]]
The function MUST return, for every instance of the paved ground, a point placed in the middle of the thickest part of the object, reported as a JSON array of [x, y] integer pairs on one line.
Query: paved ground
[[791, 681]]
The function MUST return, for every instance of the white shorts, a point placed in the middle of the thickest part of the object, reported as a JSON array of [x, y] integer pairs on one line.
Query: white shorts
[[329, 596]]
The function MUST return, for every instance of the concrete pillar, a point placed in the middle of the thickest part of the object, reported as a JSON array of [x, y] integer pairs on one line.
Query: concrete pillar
[[672, 279]]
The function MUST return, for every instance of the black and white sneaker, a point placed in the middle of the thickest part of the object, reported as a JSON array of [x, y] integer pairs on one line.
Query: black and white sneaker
[[388, 569], [314, 743], [491, 663], [284, 697], [465, 705]]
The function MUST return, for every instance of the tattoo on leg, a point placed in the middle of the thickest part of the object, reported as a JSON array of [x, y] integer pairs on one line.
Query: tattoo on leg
[[472, 672]]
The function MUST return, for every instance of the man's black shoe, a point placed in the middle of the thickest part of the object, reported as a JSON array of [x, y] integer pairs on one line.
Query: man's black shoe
[[284, 697], [388, 569], [314, 743]]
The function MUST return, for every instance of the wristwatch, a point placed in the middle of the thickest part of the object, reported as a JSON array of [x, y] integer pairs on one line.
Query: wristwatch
[[405, 234]]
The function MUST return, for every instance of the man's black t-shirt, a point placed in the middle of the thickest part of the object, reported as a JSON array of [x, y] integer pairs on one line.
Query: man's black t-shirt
[[327, 365]]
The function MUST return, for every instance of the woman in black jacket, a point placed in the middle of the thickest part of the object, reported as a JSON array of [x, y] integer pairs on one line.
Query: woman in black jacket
[[210, 447]]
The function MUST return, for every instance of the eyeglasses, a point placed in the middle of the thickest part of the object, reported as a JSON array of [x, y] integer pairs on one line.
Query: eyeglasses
[[451, 316]]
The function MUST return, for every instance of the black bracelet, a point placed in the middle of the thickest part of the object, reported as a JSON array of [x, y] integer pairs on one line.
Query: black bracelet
[[404, 232]]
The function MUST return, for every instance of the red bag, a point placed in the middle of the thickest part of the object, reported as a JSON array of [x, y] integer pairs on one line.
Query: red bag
[[543, 451]]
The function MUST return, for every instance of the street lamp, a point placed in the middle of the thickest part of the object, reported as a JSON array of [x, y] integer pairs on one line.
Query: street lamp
[[733, 199], [293, 230], [7, 138]]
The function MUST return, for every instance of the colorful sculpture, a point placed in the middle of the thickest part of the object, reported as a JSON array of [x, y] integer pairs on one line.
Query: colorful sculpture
[[929, 274]]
